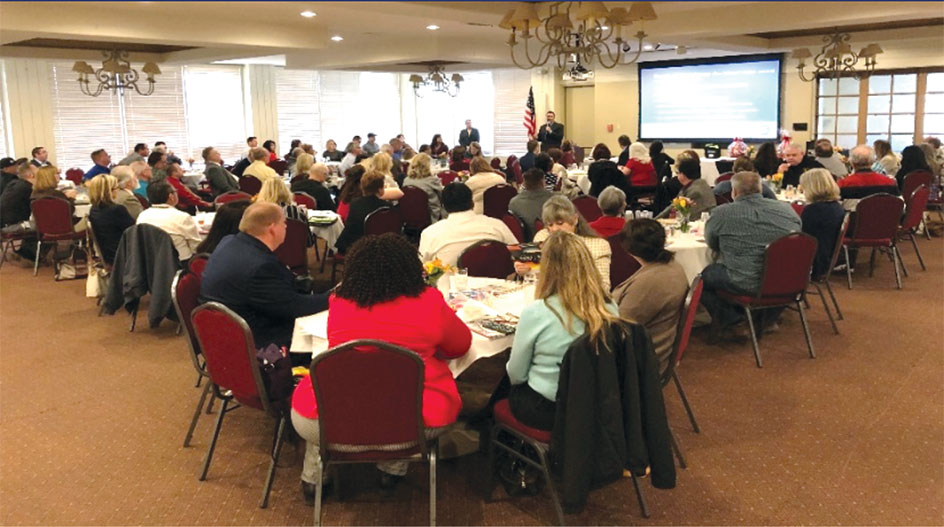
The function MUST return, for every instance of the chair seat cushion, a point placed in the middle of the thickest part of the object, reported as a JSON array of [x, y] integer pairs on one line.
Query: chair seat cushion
[[875, 242], [753, 301], [503, 416], [63, 236], [17, 235]]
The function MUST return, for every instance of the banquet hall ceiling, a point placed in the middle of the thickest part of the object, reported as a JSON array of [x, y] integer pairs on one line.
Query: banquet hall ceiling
[[392, 36]]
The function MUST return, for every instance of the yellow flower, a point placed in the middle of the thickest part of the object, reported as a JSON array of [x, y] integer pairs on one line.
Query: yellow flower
[[778, 177]]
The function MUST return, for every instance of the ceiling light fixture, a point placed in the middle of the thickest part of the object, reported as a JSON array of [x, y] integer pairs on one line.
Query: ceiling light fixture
[[586, 29], [337, 38], [437, 81], [308, 14], [432, 27], [116, 74], [837, 59]]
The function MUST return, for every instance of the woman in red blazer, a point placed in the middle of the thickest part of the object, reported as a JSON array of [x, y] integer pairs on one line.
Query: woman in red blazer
[[395, 306]]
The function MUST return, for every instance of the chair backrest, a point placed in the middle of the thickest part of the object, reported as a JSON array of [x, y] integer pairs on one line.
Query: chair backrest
[[92, 248], [515, 225], [75, 175], [511, 159], [298, 177], [837, 248], [250, 185], [369, 392], [185, 294], [724, 177], [383, 220], [495, 200], [496, 163], [487, 258], [588, 208], [913, 180], [720, 199], [303, 198], [684, 330], [914, 210], [877, 217], [231, 196], [788, 262], [447, 176], [230, 354], [622, 265], [798, 207], [198, 263], [414, 208], [538, 225], [516, 171], [294, 250], [279, 165], [580, 153], [53, 216]]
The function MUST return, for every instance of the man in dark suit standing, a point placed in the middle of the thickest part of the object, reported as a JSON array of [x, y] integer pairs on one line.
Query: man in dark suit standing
[[468, 135], [244, 274], [551, 134]]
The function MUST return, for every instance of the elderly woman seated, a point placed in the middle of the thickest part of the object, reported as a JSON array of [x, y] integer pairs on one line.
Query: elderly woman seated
[[693, 188], [612, 202], [822, 216]]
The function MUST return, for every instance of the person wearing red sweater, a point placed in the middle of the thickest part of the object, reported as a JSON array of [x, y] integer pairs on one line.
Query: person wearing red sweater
[[612, 202], [395, 306], [639, 168], [186, 196], [862, 158]]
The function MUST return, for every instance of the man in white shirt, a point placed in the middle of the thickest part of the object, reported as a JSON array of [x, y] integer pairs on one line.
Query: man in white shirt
[[446, 239], [259, 168], [178, 224], [350, 158]]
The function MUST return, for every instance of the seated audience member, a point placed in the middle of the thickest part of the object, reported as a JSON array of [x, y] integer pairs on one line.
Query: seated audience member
[[425, 149], [45, 186], [937, 151], [639, 168], [528, 204], [331, 152], [795, 162], [693, 188], [15, 209], [559, 214], [164, 215], [612, 202], [624, 142], [244, 275], [275, 191], [654, 295], [527, 161], [259, 168], [124, 194], [221, 180], [743, 164], [462, 228], [351, 190], [8, 167], [765, 160], [371, 147], [157, 160], [829, 158], [437, 147], [567, 187], [185, 196], [482, 179], [474, 150], [887, 162], [545, 164], [292, 155], [368, 305], [671, 186], [661, 162], [101, 159], [740, 233], [40, 157], [912, 158], [604, 173], [142, 172], [303, 163], [270, 147], [109, 219], [372, 188], [567, 151], [458, 161], [140, 153], [314, 186], [225, 222], [931, 157], [161, 146], [565, 308], [350, 158], [421, 177], [383, 163], [863, 182], [822, 216]]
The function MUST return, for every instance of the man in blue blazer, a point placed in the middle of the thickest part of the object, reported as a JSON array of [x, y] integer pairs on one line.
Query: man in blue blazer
[[244, 275]]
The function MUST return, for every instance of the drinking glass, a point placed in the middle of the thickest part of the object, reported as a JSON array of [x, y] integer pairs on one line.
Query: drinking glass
[[704, 217], [460, 280]]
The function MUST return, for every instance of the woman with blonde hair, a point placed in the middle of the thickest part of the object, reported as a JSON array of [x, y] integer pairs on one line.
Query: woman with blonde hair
[[564, 310], [383, 163], [303, 164], [559, 214], [109, 219], [886, 162], [45, 186], [421, 177], [482, 179], [822, 216], [274, 191]]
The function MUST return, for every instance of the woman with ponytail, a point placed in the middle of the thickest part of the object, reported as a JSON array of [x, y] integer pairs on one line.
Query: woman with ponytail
[[653, 295]]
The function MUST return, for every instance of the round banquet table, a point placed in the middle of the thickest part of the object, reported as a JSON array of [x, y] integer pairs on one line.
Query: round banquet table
[[329, 233], [691, 250]]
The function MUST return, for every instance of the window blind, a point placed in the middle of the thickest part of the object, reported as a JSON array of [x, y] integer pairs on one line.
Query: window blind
[[299, 115], [214, 110], [158, 117], [438, 113], [511, 94]]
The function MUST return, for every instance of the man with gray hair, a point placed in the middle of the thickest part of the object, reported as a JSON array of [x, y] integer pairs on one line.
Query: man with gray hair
[[796, 162], [863, 181], [221, 180], [740, 232], [259, 168]]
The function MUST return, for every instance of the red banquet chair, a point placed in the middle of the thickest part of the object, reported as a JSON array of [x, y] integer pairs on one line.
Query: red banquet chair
[[447, 176], [231, 196], [913, 180], [516, 172], [250, 185], [53, 224], [279, 165], [798, 207], [515, 225], [788, 262], [414, 208], [622, 265], [370, 392], [230, 354], [876, 224], [198, 263], [303, 198], [724, 177], [914, 213], [383, 220], [495, 200], [293, 252], [185, 293], [75, 175], [496, 163], [823, 279], [588, 208], [487, 258]]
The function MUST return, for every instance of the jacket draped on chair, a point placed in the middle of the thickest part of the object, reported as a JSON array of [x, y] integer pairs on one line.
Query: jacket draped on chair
[[145, 262]]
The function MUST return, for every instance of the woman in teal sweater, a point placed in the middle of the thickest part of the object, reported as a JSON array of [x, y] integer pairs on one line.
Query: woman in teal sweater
[[565, 308]]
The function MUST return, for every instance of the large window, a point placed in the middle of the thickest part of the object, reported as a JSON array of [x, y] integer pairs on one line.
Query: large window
[[215, 116], [438, 113], [838, 105], [891, 109], [298, 93], [934, 105]]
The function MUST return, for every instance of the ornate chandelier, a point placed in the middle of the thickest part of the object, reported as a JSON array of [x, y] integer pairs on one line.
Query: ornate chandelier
[[116, 74], [437, 81], [836, 58], [594, 33]]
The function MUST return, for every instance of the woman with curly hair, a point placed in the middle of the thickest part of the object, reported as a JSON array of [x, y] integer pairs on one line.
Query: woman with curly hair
[[351, 190], [383, 279]]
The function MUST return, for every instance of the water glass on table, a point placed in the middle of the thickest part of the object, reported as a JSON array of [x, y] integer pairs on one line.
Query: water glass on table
[[460, 280]]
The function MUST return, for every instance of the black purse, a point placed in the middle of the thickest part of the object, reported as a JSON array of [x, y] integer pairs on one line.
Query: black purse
[[276, 370]]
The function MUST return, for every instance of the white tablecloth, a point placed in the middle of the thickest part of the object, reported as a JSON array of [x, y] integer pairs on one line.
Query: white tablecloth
[[82, 209], [579, 176], [690, 249], [310, 334], [709, 171], [192, 179], [328, 233]]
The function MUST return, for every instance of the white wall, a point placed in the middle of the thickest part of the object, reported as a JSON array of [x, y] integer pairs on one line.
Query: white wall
[[28, 102]]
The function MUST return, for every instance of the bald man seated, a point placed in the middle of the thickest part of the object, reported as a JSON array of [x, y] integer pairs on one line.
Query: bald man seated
[[244, 274]]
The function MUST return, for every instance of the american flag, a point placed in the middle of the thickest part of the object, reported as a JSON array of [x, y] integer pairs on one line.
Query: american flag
[[529, 113]]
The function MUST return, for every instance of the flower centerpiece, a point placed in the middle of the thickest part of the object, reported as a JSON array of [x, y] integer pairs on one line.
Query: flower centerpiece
[[776, 180], [434, 269], [737, 148], [683, 208]]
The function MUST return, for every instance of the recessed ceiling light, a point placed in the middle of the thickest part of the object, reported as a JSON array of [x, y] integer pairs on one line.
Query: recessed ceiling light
[[432, 27], [308, 14], [604, 28], [337, 38], [648, 47]]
